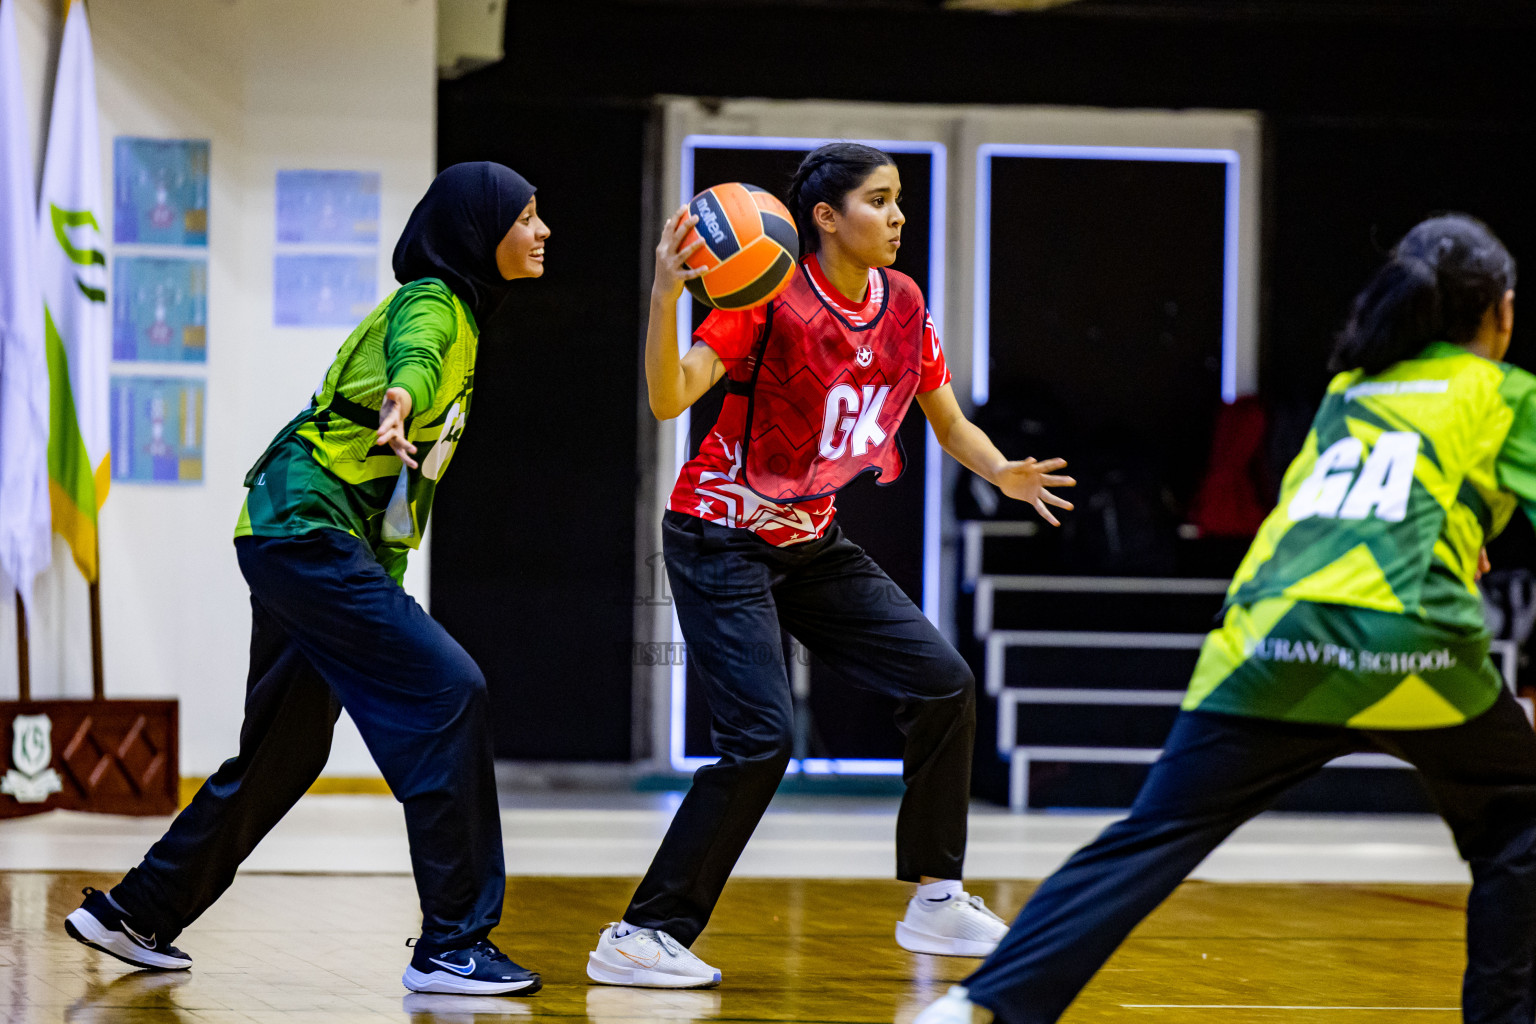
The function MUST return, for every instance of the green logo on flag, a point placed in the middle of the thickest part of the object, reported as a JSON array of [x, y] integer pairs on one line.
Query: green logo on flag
[[84, 257]]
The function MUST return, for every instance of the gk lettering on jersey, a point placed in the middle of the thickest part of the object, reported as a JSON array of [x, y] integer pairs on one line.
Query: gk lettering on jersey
[[818, 415], [852, 419], [1381, 488]]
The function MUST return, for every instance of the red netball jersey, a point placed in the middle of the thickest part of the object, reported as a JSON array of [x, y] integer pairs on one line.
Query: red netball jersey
[[835, 381]]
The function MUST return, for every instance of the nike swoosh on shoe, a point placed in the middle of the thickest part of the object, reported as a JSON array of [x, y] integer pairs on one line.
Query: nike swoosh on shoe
[[455, 968], [648, 966], [148, 943]]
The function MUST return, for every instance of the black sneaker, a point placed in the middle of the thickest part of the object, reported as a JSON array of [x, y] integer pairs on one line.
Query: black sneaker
[[481, 970], [101, 925]]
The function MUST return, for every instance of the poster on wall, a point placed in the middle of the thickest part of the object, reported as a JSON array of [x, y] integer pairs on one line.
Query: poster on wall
[[328, 207], [160, 191], [323, 289], [157, 429], [160, 309]]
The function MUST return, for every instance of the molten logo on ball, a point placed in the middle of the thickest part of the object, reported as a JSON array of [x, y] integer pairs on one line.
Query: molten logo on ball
[[749, 249], [711, 220]]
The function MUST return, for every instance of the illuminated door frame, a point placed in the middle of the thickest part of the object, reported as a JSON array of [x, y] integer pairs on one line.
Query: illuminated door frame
[[981, 322], [933, 455]]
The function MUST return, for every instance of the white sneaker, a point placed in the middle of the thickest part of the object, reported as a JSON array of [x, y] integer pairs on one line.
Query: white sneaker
[[956, 926], [954, 1008], [647, 958]]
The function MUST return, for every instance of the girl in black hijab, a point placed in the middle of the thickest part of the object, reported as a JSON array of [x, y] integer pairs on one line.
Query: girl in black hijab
[[456, 232], [335, 503]]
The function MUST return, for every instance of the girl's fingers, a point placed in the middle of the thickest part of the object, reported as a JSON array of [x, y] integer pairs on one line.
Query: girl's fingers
[[1045, 513], [673, 231], [392, 436], [404, 449], [671, 245], [676, 264], [683, 227], [1057, 501], [1051, 465], [1058, 481]]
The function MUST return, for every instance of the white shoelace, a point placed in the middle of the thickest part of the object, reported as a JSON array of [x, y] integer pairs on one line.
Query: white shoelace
[[981, 905], [652, 936], [672, 946]]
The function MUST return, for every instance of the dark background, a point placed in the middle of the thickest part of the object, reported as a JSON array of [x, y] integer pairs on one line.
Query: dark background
[[1105, 346], [1375, 114]]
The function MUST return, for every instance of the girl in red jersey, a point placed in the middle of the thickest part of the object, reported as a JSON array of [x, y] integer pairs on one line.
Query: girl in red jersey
[[818, 381]]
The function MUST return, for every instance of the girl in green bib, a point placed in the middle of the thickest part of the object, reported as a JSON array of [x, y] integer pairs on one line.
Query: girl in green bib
[[335, 503], [1353, 624]]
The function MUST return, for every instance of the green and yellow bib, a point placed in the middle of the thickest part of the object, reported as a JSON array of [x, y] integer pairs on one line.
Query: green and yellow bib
[[324, 470], [1357, 603]]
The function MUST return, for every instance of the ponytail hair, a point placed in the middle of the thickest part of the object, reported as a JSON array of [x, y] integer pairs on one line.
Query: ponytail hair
[[827, 175], [1437, 285]]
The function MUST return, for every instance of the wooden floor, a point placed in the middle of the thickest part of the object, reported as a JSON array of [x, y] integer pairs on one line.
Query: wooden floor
[[296, 949]]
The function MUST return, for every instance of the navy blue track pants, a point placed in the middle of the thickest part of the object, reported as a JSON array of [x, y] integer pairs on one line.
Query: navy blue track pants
[[330, 630], [1216, 772]]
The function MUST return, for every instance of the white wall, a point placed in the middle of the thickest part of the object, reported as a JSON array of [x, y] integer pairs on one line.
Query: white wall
[[341, 84]]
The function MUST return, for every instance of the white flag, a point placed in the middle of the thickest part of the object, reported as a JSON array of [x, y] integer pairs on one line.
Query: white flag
[[72, 271], [25, 547]]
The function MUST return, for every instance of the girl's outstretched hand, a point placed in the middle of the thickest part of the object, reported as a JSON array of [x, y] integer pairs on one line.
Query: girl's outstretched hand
[[671, 261], [1027, 480], [392, 417]]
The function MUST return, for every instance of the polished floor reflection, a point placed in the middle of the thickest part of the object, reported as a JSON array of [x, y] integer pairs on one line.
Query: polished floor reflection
[[302, 949]]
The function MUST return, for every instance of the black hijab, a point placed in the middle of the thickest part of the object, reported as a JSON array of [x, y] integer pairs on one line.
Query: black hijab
[[453, 233]]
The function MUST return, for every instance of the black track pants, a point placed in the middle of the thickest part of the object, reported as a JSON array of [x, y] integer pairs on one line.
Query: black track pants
[[733, 592], [1216, 772]]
